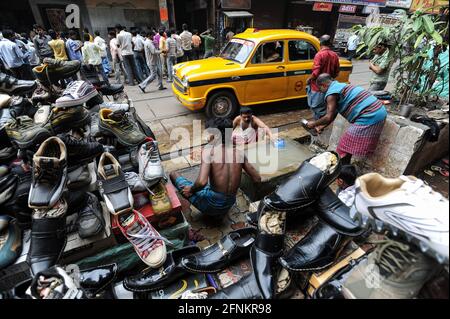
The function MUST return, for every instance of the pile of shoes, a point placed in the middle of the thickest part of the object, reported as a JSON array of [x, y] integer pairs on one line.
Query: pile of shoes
[[66, 152]]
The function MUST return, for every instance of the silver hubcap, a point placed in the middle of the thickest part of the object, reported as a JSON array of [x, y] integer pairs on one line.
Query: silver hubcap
[[222, 106]]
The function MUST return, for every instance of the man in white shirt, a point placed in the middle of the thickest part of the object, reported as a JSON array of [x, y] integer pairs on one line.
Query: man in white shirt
[[116, 56], [352, 45], [186, 43], [102, 44], [92, 56], [171, 44], [152, 55], [139, 55], [124, 42]]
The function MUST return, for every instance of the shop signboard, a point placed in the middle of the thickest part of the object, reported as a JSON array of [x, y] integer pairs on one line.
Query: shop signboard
[[378, 3], [404, 4], [347, 8], [236, 4], [323, 7], [431, 5]]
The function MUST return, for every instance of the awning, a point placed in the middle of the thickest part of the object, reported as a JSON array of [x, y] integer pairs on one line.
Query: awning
[[238, 14]]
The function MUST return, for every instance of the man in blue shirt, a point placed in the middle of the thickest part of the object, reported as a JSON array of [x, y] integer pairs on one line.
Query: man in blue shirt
[[73, 47], [13, 58], [364, 111]]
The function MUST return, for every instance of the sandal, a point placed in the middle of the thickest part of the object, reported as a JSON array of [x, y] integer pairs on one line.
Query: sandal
[[441, 170]]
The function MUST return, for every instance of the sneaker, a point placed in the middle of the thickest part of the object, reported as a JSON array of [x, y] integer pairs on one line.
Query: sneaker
[[147, 242], [407, 206], [21, 106], [76, 93], [160, 200], [42, 114], [78, 177], [81, 151], [393, 271], [94, 128], [10, 241], [115, 106], [12, 86], [63, 120], [120, 125], [90, 220], [150, 167], [135, 182], [8, 184], [52, 70], [49, 174], [41, 95], [113, 186], [24, 133]]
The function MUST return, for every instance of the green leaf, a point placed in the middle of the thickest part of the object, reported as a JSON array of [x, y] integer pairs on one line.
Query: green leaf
[[419, 40], [437, 37], [429, 26], [417, 24]]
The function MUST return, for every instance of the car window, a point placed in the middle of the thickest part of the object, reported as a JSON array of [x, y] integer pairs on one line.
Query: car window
[[301, 50], [269, 52], [238, 50]]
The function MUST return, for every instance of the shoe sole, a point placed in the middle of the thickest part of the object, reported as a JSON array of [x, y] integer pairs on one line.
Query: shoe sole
[[107, 129], [42, 136], [78, 102], [380, 227]]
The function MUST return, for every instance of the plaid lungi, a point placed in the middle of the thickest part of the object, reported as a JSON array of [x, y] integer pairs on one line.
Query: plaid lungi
[[360, 140]]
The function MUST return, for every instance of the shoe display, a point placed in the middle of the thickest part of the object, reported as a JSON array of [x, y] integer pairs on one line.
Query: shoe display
[[154, 279], [336, 214], [121, 126], [81, 151], [10, 241], [64, 120], [90, 221], [150, 167], [78, 177], [405, 206], [24, 133], [48, 236], [304, 187], [317, 250], [8, 184], [49, 174], [76, 94], [160, 199], [97, 279], [229, 249], [12, 86], [147, 242], [246, 288], [52, 70], [392, 271], [113, 186]]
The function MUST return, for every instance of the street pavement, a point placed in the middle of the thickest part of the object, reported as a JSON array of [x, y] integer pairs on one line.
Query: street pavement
[[163, 113]]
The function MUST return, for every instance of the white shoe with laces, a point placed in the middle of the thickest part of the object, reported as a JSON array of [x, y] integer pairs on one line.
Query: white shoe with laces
[[150, 167], [405, 206]]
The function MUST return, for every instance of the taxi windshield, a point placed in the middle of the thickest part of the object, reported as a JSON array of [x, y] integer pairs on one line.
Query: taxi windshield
[[238, 50]]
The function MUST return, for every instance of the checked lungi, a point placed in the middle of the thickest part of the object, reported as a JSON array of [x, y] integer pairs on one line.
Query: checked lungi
[[360, 140]]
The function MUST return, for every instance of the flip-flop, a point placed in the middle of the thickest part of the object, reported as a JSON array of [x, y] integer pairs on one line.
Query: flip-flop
[[441, 170]]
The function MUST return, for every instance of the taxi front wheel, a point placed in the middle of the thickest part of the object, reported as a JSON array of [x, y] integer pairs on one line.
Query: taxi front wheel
[[222, 104]]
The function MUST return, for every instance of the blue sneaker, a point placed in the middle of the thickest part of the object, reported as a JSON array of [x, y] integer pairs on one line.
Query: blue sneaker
[[10, 241]]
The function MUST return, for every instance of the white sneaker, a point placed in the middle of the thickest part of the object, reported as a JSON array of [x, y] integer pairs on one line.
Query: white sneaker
[[150, 167], [42, 114], [404, 205]]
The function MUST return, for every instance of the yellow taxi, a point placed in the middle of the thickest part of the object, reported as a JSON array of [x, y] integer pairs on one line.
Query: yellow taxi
[[255, 67]]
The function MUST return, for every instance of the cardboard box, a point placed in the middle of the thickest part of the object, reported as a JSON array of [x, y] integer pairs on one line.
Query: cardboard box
[[78, 248], [160, 221]]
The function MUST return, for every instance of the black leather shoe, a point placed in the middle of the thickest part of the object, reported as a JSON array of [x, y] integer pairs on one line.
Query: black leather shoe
[[252, 219], [154, 279], [317, 250], [111, 89], [302, 188], [336, 214], [95, 280], [246, 288], [48, 240], [230, 248]]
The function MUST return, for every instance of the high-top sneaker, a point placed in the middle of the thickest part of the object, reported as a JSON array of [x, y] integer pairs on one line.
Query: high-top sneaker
[[24, 133], [147, 242], [53, 70], [77, 93], [150, 167], [11, 85], [49, 174], [113, 186], [80, 151], [121, 126]]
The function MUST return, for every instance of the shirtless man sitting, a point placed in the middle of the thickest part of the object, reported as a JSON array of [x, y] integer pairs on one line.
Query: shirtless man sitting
[[247, 128], [221, 165]]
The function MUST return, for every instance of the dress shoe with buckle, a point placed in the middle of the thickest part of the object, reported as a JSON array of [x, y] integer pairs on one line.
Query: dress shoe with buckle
[[337, 215], [95, 280], [48, 237], [316, 251], [246, 288], [304, 187], [154, 279], [230, 248]]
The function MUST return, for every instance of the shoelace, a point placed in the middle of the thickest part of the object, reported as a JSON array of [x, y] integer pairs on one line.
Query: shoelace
[[419, 188], [393, 256], [72, 89]]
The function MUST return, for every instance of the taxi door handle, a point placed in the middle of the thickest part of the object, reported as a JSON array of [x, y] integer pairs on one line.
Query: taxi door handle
[[281, 67], [235, 78]]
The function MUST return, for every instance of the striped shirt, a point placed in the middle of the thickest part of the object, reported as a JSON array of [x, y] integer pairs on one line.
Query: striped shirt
[[356, 104]]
